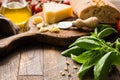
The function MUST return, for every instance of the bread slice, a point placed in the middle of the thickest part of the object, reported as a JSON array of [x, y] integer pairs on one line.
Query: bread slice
[[105, 11]]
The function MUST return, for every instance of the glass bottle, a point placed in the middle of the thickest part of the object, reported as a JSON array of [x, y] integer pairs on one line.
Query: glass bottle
[[17, 11]]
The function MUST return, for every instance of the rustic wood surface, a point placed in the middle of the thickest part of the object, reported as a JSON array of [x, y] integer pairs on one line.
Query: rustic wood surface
[[36, 61], [42, 62], [63, 38]]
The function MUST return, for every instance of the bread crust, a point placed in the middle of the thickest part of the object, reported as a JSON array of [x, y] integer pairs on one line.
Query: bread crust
[[105, 11]]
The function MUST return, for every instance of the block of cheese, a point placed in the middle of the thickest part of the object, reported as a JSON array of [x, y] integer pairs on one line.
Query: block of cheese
[[54, 12], [104, 10]]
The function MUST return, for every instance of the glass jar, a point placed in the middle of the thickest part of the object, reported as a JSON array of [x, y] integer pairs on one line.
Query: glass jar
[[17, 11]]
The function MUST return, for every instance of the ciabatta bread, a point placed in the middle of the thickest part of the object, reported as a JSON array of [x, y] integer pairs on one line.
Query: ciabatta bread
[[105, 11]]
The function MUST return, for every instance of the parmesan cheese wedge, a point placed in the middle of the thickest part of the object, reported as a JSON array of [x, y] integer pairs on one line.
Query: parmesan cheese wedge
[[54, 12]]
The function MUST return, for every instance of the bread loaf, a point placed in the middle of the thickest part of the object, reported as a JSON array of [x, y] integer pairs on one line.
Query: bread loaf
[[105, 11]]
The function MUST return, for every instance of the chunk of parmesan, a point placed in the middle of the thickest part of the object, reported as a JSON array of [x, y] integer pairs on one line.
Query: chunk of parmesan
[[54, 12]]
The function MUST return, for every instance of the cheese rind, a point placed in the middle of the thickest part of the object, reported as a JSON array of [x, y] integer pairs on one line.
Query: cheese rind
[[54, 12]]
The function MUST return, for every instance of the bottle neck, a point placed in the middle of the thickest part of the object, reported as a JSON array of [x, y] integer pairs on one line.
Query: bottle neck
[[6, 3]]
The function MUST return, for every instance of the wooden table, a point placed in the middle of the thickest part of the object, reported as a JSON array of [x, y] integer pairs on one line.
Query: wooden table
[[41, 62]]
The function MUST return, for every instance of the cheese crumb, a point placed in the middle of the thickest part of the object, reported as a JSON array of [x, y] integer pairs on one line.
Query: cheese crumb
[[43, 29], [54, 28], [43, 24], [39, 25], [37, 19]]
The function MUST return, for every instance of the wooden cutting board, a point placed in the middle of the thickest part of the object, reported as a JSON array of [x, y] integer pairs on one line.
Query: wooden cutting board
[[63, 38]]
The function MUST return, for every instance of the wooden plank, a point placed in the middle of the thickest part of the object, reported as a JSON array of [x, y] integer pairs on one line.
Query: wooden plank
[[118, 67], [31, 62], [114, 74], [54, 62], [9, 67], [30, 78], [72, 70]]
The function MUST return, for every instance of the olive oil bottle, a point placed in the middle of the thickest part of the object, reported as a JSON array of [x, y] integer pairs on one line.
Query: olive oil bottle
[[18, 12]]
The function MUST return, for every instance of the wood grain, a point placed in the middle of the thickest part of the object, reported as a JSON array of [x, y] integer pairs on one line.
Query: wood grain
[[63, 38], [30, 78], [42, 62], [31, 62], [9, 68], [71, 69], [53, 64]]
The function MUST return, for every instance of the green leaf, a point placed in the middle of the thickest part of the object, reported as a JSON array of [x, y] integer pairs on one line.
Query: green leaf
[[92, 51], [84, 37], [116, 60], [101, 27], [117, 44], [86, 44], [85, 56], [90, 38], [88, 65], [106, 32], [102, 67], [73, 50]]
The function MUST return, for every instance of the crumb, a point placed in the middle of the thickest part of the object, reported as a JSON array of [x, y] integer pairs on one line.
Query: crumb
[[43, 29], [69, 74], [62, 73], [67, 62], [37, 20], [75, 67], [65, 69]]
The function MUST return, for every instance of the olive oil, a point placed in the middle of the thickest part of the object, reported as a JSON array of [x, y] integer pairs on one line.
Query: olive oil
[[17, 13]]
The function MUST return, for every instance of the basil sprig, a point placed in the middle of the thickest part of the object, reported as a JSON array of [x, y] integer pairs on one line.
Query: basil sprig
[[94, 52]]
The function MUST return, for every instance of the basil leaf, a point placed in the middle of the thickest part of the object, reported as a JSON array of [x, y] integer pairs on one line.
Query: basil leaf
[[86, 44], [88, 65], [92, 51], [117, 44], [116, 60], [101, 27], [85, 56], [73, 50], [102, 67], [106, 32], [90, 38]]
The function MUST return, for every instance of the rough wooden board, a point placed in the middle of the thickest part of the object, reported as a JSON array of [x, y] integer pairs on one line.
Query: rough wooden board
[[71, 69], [8, 70], [64, 37], [30, 78], [114, 74], [54, 62], [31, 62], [9, 67]]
